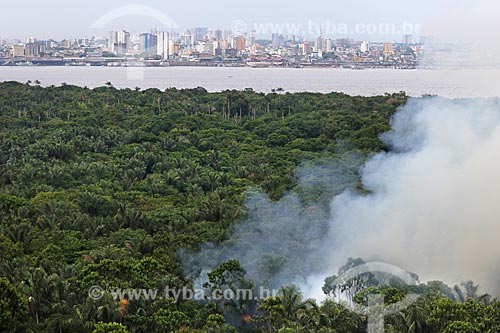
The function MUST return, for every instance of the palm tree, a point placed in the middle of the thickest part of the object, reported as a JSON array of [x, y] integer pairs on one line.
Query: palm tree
[[469, 291], [412, 319], [41, 289], [293, 302], [81, 319], [213, 179], [334, 315]]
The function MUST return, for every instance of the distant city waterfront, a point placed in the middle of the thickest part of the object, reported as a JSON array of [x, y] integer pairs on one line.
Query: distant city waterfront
[[211, 47], [368, 82]]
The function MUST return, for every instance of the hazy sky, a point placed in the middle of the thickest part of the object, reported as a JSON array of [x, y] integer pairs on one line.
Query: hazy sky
[[67, 19]]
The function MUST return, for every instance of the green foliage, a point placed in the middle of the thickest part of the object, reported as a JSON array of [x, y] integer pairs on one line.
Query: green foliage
[[13, 309], [460, 327], [105, 187], [215, 320], [109, 328], [391, 295], [170, 320], [444, 311], [229, 274], [273, 312]]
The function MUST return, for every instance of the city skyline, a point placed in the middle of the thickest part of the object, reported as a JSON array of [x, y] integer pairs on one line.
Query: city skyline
[[274, 37], [208, 47], [316, 30]]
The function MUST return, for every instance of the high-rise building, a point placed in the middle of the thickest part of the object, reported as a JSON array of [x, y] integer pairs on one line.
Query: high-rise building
[[218, 35], [119, 42], [240, 43], [227, 34], [187, 39], [277, 41], [171, 46], [163, 44], [306, 48], [318, 46], [365, 47], [18, 50], [251, 39], [328, 45], [199, 34], [388, 49], [113, 37], [31, 50], [148, 43], [67, 43], [42, 48], [223, 44]]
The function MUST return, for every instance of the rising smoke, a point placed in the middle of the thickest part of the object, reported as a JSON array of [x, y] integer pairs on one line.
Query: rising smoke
[[435, 202], [433, 206], [283, 242]]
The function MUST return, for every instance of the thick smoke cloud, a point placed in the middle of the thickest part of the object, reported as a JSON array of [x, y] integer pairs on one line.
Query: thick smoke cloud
[[435, 202], [433, 206], [283, 242]]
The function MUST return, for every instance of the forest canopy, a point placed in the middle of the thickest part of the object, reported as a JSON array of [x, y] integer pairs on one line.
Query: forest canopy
[[105, 187]]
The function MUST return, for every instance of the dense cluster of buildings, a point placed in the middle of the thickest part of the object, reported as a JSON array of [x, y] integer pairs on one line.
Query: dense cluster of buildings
[[208, 47]]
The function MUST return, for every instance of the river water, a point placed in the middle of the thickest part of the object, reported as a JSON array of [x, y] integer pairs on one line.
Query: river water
[[447, 83]]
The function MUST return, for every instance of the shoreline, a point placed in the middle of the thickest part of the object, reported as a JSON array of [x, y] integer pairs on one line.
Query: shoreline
[[261, 68], [303, 66], [452, 83], [242, 66]]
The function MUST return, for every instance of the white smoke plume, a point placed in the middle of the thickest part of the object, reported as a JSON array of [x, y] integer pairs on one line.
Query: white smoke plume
[[434, 206], [282, 242]]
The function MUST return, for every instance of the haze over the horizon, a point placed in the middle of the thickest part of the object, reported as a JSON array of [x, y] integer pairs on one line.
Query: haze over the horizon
[[61, 19]]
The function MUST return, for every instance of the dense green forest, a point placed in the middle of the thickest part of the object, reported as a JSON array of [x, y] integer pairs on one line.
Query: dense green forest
[[105, 187]]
